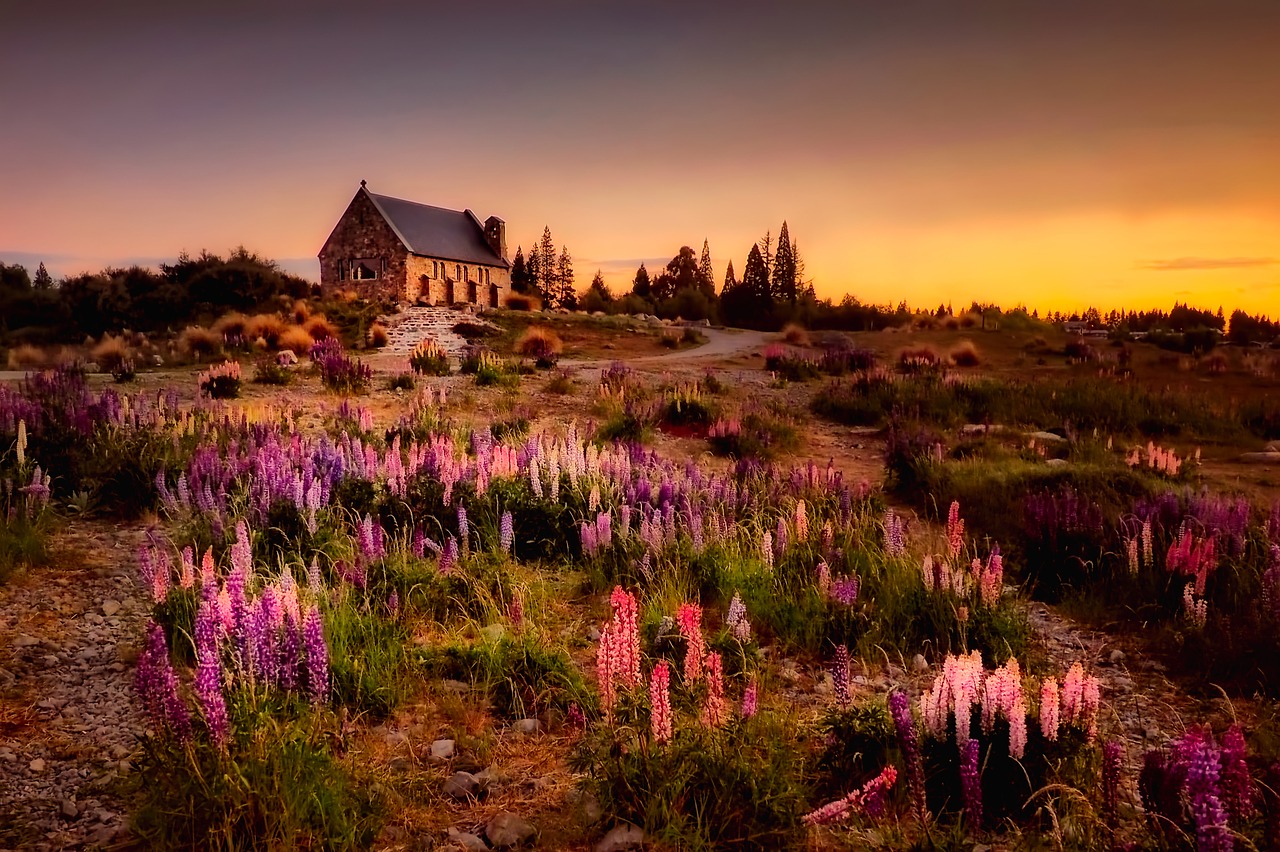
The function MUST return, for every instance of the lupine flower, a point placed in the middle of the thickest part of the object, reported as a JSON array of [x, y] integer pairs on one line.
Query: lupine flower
[[870, 799], [737, 621], [515, 609], [1080, 699], [1202, 760], [317, 656], [449, 557], [1112, 753], [845, 590], [894, 537], [824, 578], [157, 686], [1050, 709], [905, 725], [660, 702], [315, 580], [955, 530], [689, 619], [506, 533], [714, 710], [464, 529], [766, 549], [750, 698], [208, 682], [971, 784], [1237, 783], [626, 627], [840, 676]]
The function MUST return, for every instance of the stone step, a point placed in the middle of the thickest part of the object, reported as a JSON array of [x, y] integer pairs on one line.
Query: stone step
[[412, 325]]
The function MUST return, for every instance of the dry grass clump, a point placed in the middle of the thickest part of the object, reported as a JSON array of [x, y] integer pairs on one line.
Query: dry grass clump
[[539, 343], [319, 327], [231, 325], [795, 334], [951, 324], [25, 356], [521, 302], [301, 311], [919, 356], [110, 353], [266, 327], [965, 354], [924, 322], [378, 336], [1215, 362], [198, 342], [295, 339]]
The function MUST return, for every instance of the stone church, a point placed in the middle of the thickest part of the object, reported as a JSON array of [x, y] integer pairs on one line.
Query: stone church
[[390, 249]]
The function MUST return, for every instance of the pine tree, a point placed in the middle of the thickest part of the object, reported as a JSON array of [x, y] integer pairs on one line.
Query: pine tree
[[566, 294], [43, 280], [533, 272], [641, 285], [730, 282], [755, 280], [547, 267], [706, 275], [519, 273], [782, 279], [766, 253], [803, 288]]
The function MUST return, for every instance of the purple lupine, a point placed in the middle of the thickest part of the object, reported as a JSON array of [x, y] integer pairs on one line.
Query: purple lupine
[[971, 784], [315, 580], [419, 544], [845, 590], [1112, 754], [464, 529], [506, 533], [157, 685], [317, 656], [289, 647], [840, 676], [393, 603], [1202, 759], [750, 700], [909, 742], [449, 556], [1237, 783], [208, 681]]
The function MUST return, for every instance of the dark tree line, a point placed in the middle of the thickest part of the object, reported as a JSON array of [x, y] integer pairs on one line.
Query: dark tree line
[[546, 273], [137, 298]]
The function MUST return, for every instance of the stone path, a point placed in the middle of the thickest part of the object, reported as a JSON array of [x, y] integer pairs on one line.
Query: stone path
[[69, 722]]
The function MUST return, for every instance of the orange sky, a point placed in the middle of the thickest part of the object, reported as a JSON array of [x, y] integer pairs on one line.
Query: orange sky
[[1060, 155]]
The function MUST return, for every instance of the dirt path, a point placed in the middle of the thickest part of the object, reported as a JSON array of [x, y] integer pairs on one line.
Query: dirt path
[[69, 723], [721, 343]]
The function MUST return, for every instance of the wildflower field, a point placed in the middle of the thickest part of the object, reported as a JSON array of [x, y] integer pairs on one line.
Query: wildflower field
[[411, 605]]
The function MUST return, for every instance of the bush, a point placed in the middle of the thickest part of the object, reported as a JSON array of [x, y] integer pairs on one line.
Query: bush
[[541, 344], [428, 358], [125, 371], [26, 356], [521, 302], [296, 339], [965, 354], [795, 334], [221, 382], [109, 353], [319, 327], [401, 382], [269, 371], [561, 383], [266, 327], [339, 372], [378, 336], [231, 328], [473, 330], [199, 343], [919, 359]]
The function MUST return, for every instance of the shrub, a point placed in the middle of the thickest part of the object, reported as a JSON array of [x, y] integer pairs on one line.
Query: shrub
[[266, 327], [473, 330], [295, 339], [339, 372], [965, 354], [125, 371], [795, 334], [319, 327], [401, 382], [561, 383], [269, 371], [198, 343], [428, 358], [301, 311], [918, 359], [231, 328], [109, 353], [541, 344], [521, 302], [221, 382], [670, 339], [378, 336], [692, 336], [793, 365]]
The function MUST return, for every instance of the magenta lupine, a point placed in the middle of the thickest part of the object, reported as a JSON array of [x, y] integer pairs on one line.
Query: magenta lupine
[[909, 742], [871, 799], [506, 533], [971, 784], [714, 709], [660, 702], [750, 700], [393, 603], [1112, 757], [689, 618], [449, 556], [845, 590], [515, 609], [575, 716], [1201, 757], [317, 656], [157, 686], [289, 647], [208, 681], [840, 676], [1237, 784]]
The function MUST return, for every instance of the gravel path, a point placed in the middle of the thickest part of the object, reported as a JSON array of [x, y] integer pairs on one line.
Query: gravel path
[[69, 723]]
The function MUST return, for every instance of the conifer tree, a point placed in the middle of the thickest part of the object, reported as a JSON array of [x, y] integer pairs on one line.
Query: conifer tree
[[766, 254], [782, 279], [641, 285], [533, 272], [43, 280], [730, 282], [519, 272], [566, 294], [706, 275], [547, 267]]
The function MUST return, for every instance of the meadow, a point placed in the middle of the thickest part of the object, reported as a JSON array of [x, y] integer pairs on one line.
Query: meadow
[[941, 588]]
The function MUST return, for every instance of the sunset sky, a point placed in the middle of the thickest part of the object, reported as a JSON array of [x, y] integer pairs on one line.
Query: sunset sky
[[1059, 154]]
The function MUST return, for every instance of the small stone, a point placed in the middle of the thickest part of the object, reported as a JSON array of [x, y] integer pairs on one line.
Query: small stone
[[462, 785], [395, 738], [104, 815], [455, 686], [527, 726], [507, 831], [1056, 462], [493, 632], [36, 765], [467, 841], [442, 750], [919, 663], [621, 838], [69, 809], [400, 764], [24, 641], [593, 634], [1117, 657], [110, 607]]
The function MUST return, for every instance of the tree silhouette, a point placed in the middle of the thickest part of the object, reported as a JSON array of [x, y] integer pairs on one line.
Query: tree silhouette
[[641, 285]]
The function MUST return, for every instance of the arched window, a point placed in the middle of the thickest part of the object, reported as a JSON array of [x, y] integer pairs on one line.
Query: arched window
[[459, 271]]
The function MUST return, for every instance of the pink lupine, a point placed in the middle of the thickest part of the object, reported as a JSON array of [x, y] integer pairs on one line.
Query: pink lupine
[[955, 530], [660, 702], [714, 708], [870, 799], [606, 674], [1131, 545], [801, 521], [1195, 609], [840, 676], [894, 537], [187, 569], [824, 579], [1050, 709], [737, 621], [626, 626], [689, 619], [208, 570], [766, 549]]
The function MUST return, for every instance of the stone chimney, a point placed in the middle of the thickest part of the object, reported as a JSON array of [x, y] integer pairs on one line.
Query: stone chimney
[[495, 232]]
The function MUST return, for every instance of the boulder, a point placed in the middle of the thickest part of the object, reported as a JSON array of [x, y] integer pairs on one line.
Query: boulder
[[466, 840], [621, 838], [1047, 437], [508, 831], [442, 750], [462, 786]]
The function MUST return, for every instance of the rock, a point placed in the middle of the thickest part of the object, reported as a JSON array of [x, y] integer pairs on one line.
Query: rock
[[1047, 437], [1272, 447], [455, 686], [919, 663], [493, 632], [586, 805], [1116, 657], [69, 809], [527, 726], [400, 764], [1261, 458], [442, 750], [466, 840], [971, 429], [1056, 462], [621, 838], [462, 785], [395, 738], [22, 640], [110, 607], [507, 831], [825, 685], [36, 765], [593, 634]]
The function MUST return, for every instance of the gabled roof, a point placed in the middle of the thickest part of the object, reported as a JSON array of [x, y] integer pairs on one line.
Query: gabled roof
[[437, 232]]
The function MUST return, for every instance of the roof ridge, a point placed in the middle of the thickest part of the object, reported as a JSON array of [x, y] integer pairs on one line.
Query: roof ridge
[[414, 203]]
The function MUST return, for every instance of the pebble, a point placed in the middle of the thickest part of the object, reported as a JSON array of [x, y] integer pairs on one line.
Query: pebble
[[527, 726], [466, 840], [621, 838], [462, 785], [69, 809], [442, 750], [507, 831], [37, 765]]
